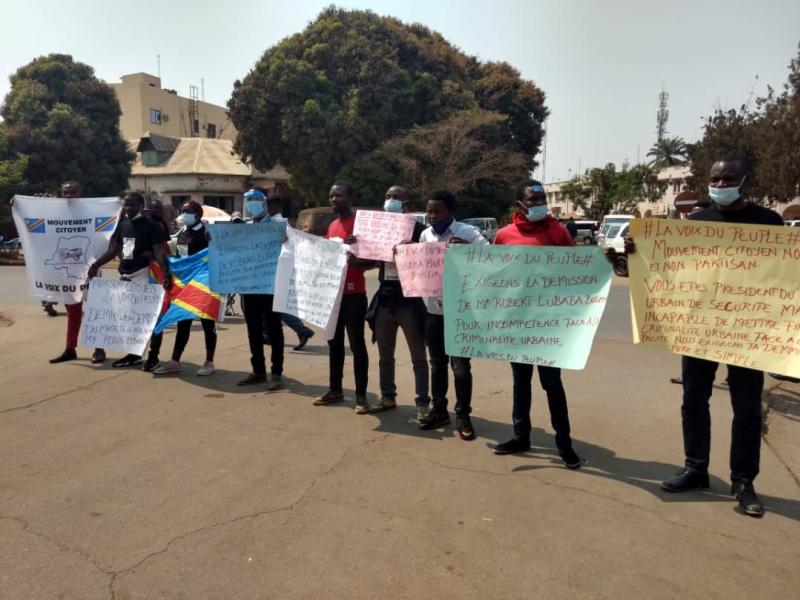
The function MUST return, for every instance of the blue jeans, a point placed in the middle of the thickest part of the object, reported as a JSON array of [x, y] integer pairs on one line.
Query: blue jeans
[[296, 325]]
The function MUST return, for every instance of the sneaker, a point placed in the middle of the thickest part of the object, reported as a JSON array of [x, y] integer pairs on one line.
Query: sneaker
[[98, 356], [207, 369], [150, 364], [570, 458], [464, 426], [67, 354], [749, 503], [253, 379], [513, 446], [275, 383], [385, 403], [129, 360], [362, 406], [167, 368], [435, 418], [685, 480], [329, 397], [303, 339]]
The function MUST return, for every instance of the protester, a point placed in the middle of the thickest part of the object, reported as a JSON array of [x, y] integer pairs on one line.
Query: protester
[[71, 190], [444, 228], [728, 180], [136, 241], [572, 226], [191, 239], [352, 309], [533, 226], [390, 310], [156, 214], [258, 311]]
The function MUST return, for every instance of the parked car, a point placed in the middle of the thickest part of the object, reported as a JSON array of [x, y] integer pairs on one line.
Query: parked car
[[608, 222], [615, 238], [587, 231], [486, 225], [792, 223], [315, 220], [421, 217]]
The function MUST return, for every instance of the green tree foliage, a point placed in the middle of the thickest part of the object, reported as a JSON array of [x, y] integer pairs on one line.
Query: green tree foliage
[[66, 122], [12, 167], [667, 152], [322, 101]]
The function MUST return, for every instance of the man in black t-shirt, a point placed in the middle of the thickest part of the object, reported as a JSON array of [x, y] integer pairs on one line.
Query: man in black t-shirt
[[136, 241]]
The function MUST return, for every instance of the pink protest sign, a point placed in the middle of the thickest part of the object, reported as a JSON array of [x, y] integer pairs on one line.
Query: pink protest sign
[[378, 232], [420, 268]]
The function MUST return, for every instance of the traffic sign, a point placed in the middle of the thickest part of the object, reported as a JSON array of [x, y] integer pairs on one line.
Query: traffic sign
[[685, 202]]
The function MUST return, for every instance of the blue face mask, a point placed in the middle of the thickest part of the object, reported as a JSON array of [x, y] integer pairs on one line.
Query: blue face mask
[[442, 226], [187, 219], [393, 205], [724, 196], [255, 207], [536, 213]]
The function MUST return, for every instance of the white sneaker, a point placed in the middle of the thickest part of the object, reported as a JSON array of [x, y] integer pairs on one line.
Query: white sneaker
[[207, 369], [167, 368]]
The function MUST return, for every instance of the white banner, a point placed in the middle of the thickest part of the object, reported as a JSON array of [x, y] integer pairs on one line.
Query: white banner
[[120, 315], [310, 279], [61, 238]]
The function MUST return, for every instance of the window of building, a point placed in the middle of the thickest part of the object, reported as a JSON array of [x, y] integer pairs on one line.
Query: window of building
[[178, 200], [223, 202], [195, 127], [211, 130], [155, 116]]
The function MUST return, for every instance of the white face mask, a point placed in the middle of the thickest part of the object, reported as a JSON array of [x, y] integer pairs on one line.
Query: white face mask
[[725, 196], [393, 205], [187, 219]]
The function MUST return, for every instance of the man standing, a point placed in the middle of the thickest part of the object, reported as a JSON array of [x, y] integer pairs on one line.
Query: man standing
[[258, 311], [71, 191], [390, 310], [727, 181], [136, 241], [572, 226], [352, 310], [444, 228]]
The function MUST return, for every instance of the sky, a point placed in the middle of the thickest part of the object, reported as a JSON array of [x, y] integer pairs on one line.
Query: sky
[[601, 64]]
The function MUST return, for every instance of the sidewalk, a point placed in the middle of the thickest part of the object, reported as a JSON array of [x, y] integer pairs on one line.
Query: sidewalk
[[113, 485]]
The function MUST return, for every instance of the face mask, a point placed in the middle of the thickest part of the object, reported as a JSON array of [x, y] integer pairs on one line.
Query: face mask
[[724, 196], [536, 213], [187, 219], [393, 205], [255, 207], [442, 226]]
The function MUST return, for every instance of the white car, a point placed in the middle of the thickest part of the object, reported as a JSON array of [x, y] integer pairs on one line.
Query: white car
[[615, 237], [792, 223]]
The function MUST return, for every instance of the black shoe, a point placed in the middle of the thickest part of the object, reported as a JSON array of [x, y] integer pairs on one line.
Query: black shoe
[[435, 418], [67, 354], [129, 360], [253, 378], [98, 356], [570, 458], [48, 307], [685, 480], [150, 364], [464, 425], [303, 337], [748, 499], [513, 445]]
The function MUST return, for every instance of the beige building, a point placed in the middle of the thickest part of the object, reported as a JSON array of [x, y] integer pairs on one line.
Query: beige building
[[147, 107]]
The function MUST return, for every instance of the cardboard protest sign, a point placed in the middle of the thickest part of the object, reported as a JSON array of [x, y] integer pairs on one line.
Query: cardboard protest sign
[[242, 258], [310, 279], [120, 315], [420, 268], [537, 305], [726, 292], [377, 233], [61, 238]]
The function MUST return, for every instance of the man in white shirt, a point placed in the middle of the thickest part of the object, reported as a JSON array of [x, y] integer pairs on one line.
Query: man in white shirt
[[444, 228]]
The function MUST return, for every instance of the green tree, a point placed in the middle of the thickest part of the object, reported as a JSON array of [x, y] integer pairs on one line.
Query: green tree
[[323, 100], [66, 121], [12, 168], [667, 152]]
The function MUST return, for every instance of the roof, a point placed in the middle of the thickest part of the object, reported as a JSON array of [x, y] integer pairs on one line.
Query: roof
[[193, 156], [157, 142]]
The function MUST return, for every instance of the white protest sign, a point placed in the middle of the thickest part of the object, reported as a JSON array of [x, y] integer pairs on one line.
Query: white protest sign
[[377, 233], [120, 315], [310, 279], [61, 238]]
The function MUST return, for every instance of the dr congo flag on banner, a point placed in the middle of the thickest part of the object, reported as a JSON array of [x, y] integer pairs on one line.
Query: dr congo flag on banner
[[190, 296]]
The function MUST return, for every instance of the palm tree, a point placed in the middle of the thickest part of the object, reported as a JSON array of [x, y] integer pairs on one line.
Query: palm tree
[[667, 152]]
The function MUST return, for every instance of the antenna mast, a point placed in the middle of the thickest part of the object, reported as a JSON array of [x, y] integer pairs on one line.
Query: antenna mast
[[663, 115]]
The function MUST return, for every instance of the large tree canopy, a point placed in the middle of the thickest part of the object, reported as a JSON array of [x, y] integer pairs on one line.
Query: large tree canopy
[[66, 122], [322, 100]]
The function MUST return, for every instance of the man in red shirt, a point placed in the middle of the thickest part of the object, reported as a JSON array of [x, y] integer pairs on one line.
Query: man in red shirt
[[533, 226], [352, 310]]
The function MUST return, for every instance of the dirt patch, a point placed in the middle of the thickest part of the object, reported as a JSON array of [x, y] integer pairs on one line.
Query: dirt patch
[[5, 321]]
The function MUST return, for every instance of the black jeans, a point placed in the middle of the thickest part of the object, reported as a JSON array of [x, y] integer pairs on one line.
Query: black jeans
[[351, 317], [408, 318], [182, 338], [462, 370], [745, 386], [257, 311], [550, 378]]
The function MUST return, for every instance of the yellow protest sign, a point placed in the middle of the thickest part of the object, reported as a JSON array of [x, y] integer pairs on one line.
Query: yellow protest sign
[[726, 292]]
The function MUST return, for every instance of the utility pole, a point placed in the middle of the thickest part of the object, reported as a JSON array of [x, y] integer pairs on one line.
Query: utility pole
[[662, 115], [158, 60], [544, 152]]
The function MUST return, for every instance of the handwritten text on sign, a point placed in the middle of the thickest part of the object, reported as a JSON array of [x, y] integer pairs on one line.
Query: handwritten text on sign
[[420, 267], [242, 258], [725, 292], [310, 279], [120, 315], [377, 233], [538, 305]]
